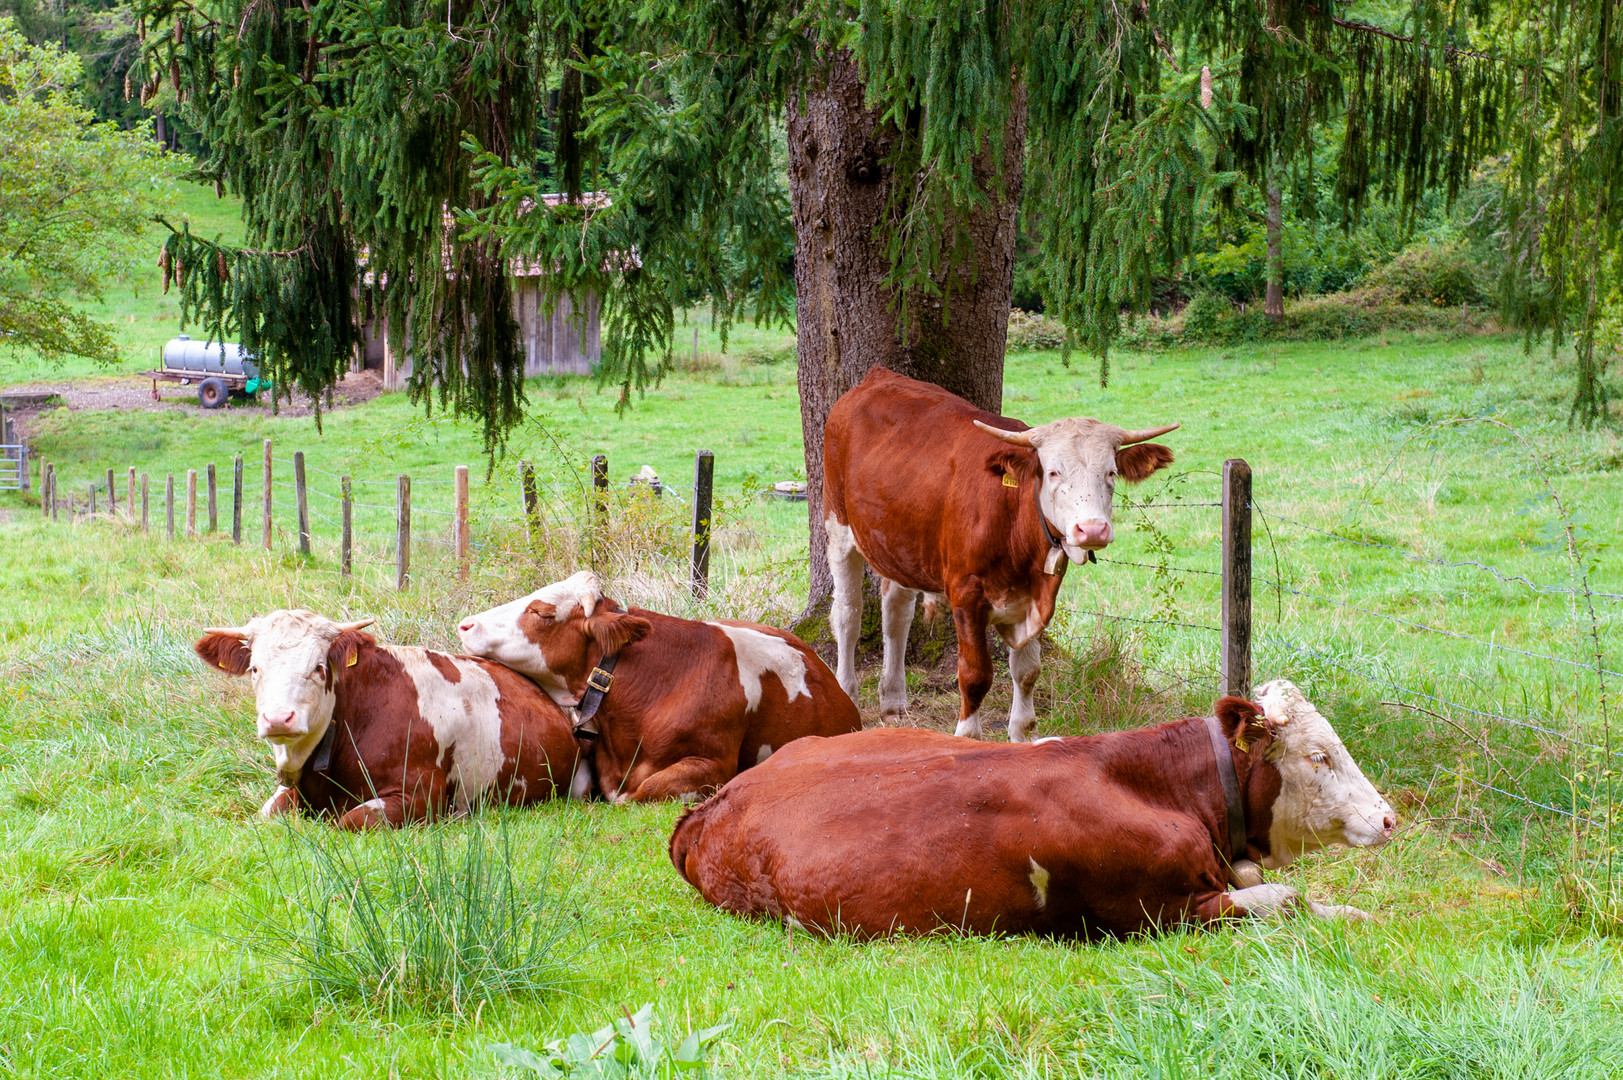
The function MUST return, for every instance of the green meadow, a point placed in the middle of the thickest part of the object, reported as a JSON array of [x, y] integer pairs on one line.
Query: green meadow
[[1426, 520]]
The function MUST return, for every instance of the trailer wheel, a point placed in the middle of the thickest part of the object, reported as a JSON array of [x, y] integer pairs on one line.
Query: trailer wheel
[[212, 394]]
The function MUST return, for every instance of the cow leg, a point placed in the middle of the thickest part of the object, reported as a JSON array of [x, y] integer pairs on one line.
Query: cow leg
[[285, 801], [1024, 664], [686, 780], [845, 614], [427, 799], [969, 615], [896, 604]]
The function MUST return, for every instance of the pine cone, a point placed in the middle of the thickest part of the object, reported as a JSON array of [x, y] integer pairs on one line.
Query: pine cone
[[219, 267]]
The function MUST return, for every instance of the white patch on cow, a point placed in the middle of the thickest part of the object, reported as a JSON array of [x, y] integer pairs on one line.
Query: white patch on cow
[[1046, 739], [763, 753], [1324, 798], [372, 804], [845, 563], [896, 603], [269, 809], [1244, 873], [1017, 621], [465, 718], [1024, 664], [759, 652], [581, 785], [1039, 882], [1266, 901], [970, 726]]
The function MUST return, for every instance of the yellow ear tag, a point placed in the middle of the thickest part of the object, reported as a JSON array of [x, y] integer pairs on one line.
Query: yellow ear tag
[[353, 656], [222, 665], [1010, 481], [1242, 746]]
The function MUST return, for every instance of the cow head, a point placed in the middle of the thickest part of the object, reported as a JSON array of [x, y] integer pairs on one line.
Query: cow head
[[554, 635], [1323, 797], [1081, 461], [294, 659]]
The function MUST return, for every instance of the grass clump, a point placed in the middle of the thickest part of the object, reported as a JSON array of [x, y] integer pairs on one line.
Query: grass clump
[[431, 919], [624, 1050]]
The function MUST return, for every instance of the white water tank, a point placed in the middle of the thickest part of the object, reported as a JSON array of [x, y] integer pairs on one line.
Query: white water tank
[[208, 358]]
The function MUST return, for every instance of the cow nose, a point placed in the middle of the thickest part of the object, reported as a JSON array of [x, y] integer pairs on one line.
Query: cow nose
[[279, 723], [466, 625], [1091, 535], [1388, 823]]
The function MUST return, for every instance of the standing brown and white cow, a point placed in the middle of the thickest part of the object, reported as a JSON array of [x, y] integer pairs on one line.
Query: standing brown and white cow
[[386, 734], [898, 830], [688, 704], [944, 499]]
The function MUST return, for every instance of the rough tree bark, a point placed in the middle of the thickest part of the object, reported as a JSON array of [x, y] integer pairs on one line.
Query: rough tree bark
[[1274, 302], [840, 188]]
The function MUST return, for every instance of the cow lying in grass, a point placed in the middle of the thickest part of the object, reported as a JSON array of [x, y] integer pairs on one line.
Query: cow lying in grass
[[385, 734], [682, 706], [897, 830]]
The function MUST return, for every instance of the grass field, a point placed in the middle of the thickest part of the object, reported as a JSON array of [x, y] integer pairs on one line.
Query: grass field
[[136, 884]]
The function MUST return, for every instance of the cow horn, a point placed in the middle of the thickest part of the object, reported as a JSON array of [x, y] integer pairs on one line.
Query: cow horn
[[1013, 438], [1130, 437], [240, 632], [359, 624]]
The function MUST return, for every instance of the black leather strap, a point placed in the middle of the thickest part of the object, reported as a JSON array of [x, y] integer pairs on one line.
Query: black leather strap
[[1224, 755], [322, 758], [597, 688]]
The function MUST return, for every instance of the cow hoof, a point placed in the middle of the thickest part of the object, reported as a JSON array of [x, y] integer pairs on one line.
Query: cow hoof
[[1245, 873], [969, 729], [1339, 911], [368, 815], [893, 716]]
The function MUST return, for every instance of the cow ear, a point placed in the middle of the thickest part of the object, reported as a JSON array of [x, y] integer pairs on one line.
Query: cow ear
[[1241, 721], [1139, 461], [345, 652], [224, 651], [1011, 461], [615, 630]]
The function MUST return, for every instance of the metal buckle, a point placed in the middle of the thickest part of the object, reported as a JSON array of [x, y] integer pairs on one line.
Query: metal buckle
[[603, 687]]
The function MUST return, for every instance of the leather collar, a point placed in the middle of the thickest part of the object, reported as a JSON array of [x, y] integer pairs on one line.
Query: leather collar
[[597, 688], [321, 760], [1224, 755]]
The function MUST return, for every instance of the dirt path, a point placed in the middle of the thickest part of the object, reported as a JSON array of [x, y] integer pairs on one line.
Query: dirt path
[[135, 393]]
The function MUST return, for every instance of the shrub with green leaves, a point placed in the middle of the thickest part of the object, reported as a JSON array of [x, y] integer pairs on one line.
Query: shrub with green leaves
[[1425, 273], [624, 1050], [435, 917], [1029, 332]]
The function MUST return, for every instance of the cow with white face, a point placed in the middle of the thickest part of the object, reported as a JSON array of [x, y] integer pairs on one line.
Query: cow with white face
[[375, 734], [943, 499], [680, 706], [898, 830]]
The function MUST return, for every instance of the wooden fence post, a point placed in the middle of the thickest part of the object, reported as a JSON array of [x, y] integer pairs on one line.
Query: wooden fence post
[[532, 520], [402, 539], [214, 502], [268, 503], [191, 503], [704, 475], [600, 486], [45, 489], [112, 499], [144, 517], [26, 467], [169, 501], [236, 500], [1236, 670], [301, 497], [345, 510], [129, 495], [91, 505], [459, 522]]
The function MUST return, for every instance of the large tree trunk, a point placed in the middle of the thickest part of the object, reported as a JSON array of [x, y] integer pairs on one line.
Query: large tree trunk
[[847, 317], [1274, 303]]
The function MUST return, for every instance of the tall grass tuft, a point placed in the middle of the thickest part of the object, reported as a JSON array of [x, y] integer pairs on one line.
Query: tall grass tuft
[[435, 918]]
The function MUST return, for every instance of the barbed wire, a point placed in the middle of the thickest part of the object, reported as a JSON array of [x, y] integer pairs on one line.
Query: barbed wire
[[1156, 566], [1509, 579], [1439, 770]]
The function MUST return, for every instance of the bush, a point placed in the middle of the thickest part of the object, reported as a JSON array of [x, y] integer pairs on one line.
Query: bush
[[625, 1050], [1204, 315], [1424, 273], [1029, 332], [434, 926], [1211, 320]]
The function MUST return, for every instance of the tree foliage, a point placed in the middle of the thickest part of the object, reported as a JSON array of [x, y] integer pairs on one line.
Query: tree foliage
[[352, 127], [76, 199]]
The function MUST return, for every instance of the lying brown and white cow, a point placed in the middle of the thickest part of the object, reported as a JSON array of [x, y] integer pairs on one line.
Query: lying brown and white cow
[[386, 734], [899, 830], [689, 705], [944, 499]]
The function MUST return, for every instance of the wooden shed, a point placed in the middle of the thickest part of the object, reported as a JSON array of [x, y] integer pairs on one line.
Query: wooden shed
[[564, 340]]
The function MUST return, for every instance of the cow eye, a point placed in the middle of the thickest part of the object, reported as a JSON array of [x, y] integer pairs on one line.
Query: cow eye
[[253, 669], [1318, 759], [321, 672]]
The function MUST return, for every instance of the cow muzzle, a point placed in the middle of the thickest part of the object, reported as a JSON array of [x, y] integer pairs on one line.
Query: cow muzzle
[[1092, 535], [280, 726]]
